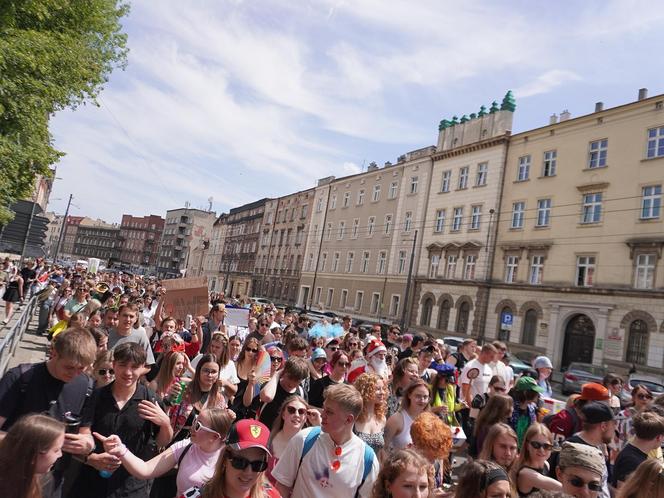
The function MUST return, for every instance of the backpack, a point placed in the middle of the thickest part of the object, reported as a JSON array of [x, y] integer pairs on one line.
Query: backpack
[[311, 439]]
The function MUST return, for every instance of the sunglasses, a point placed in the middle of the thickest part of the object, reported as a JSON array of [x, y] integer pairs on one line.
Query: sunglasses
[[541, 446], [241, 463], [264, 324], [197, 426], [292, 410], [250, 350], [276, 359], [577, 482], [104, 371], [343, 364], [351, 344]]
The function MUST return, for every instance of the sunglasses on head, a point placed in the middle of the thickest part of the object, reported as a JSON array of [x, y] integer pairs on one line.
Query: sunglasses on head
[[541, 446], [292, 410], [241, 463], [577, 482], [104, 371], [197, 426]]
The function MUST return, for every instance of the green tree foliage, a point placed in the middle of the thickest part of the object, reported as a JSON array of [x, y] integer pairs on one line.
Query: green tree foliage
[[54, 54]]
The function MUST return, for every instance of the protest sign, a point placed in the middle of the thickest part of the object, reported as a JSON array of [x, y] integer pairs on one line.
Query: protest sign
[[185, 296], [238, 317]]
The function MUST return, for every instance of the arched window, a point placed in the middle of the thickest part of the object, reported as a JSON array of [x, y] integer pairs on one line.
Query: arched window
[[462, 318], [444, 315], [529, 328], [427, 307], [637, 343]]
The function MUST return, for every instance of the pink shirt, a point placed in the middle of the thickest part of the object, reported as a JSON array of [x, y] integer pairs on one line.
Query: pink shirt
[[197, 466]]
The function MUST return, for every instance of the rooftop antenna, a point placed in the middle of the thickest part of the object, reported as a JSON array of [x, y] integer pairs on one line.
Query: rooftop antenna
[[210, 199], [187, 204]]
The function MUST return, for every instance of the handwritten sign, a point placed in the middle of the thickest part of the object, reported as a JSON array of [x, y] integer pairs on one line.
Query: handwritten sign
[[186, 296], [238, 317]]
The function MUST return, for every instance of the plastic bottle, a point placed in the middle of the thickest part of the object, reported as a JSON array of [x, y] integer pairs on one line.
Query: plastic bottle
[[105, 474]]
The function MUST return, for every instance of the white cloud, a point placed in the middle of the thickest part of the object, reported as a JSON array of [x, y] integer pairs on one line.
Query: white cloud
[[350, 168], [546, 82]]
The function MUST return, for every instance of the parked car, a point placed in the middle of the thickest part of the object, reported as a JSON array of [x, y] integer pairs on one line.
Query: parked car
[[578, 374], [453, 343], [652, 382], [526, 356], [518, 366], [260, 300]]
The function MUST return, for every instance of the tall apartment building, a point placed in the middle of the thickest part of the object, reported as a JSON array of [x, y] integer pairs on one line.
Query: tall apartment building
[[361, 238], [139, 240], [579, 260], [98, 240], [53, 230], [459, 230], [241, 246], [184, 229], [283, 239], [69, 236], [212, 255]]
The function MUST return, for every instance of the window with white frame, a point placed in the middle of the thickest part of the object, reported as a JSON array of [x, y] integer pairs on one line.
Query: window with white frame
[[446, 181], [655, 142], [414, 180], [359, 297], [323, 261], [549, 165], [319, 205], [524, 168], [475, 217], [536, 269], [469, 267], [364, 265], [434, 262], [371, 224], [592, 208], [375, 194], [342, 230], [518, 214], [401, 263], [597, 151], [388, 224], [380, 267], [330, 295], [356, 228], [457, 219], [360, 197], [511, 268], [463, 177], [585, 271], [335, 262], [392, 192], [333, 201], [450, 270], [349, 261], [543, 212], [375, 303], [651, 202], [343, 299], [408, 221], [482, 172], [319, 291], [440, 221], [394, 305], [644, 271], [346, 201], [328, 233]]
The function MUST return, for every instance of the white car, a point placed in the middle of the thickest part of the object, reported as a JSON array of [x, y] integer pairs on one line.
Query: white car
[[453, 343]]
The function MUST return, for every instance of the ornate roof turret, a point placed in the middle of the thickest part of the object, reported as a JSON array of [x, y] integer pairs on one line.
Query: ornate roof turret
[[494, 107], [509, 103], [482, 111]]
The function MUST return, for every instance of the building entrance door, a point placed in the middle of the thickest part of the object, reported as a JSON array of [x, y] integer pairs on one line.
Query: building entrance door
[[579, 340]]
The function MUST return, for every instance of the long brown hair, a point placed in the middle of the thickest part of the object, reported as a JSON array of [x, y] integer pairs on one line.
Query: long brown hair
[[279, 421], [165, 376], [524, 452], [193, 394], [215, 486], [497, 409], [494, 433], [19, 450], [647, 481]]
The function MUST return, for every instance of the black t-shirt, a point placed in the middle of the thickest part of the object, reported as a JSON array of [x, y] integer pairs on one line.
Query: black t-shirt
[[270, 411], [35, 390], [406, 353], [317, 389], [627, 461]]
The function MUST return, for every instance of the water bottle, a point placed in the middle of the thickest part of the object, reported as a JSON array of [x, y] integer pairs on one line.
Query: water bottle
[[105, 474]]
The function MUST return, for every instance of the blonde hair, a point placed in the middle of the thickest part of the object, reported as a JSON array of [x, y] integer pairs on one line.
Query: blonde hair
[[396, 464], [77, 345], [494, 433], [347, 396], [366, 384], [647, 481], [535, 429], [215, 486]]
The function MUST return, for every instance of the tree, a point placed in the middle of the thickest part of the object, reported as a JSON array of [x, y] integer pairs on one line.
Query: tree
[[54, 54]]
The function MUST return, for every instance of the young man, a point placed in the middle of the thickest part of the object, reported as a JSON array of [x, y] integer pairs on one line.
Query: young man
[[262, 333], [214, 322], [499, 368], [580, 470], [110, 319], [648, 435], [125, 332], [130, 410], [337, 462], [569, 421], [282, 384]]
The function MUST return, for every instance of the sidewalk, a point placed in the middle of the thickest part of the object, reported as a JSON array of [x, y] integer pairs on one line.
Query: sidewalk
[[32, 348]]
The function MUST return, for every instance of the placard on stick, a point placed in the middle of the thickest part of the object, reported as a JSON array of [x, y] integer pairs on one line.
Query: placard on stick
[[186, 296]]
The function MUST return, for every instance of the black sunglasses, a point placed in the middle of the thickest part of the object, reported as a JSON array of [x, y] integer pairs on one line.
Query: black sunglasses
[[104, 371], [250, 350], [241, 463], [292, 410], [539, 446], [264, 324], [577, 482], [276, 359]]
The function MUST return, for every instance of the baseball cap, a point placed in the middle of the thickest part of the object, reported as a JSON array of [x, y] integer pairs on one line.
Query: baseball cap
[[248, 433], [592, 391], [526, 383], [581, 455], [597, 412]]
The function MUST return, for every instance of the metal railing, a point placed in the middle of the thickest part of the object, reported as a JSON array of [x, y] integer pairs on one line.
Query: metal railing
[[14, 331]]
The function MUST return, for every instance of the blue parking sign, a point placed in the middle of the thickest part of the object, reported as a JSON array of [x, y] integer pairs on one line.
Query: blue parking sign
[[506, 318]]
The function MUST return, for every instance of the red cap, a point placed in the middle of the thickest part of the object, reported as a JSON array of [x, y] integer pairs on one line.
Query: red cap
[[248, 433], [594, 392]]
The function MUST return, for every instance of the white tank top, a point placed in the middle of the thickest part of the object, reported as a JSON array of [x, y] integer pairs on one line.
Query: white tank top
[[403, 439]]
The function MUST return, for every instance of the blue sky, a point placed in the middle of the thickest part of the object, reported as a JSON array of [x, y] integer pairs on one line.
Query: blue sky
[[239, 100]]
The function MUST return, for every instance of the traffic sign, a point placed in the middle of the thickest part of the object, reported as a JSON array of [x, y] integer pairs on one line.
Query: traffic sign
[[506, 320]]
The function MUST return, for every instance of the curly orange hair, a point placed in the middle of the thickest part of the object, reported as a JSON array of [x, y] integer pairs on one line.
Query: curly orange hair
[[366, 384], [431, 436]]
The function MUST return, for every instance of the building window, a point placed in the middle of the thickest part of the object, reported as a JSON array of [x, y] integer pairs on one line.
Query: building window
[[319, 290], [375, 194], [359, 297], [518, 214], [651, 202], [349, 262], [380, 267], [414, 180], [450, 271], [637, 343], [462, 318], [469, 269], [543, 212], [388, 223], [427, 308], [475, 215], [585, 271], [401, 265], [440, 221], [655, 142], [333, 201], [408, 221], [592, 208], [434, 261], [482, 171], [392, 193], [644, 273], [529, 328], [524, 168], [394, 305], [343, 299], [549, 166], [330, 295], [360, 197], [446, 181], [328, 234], [335, 262], [371, 225], [342, 230], [323, 261], [536, 270], [356, 228], [456, 220], [597, 153], [463, 177], [319, 205], [365, 262], [346, 201], [444, 314], [511, 269], [375, 303]]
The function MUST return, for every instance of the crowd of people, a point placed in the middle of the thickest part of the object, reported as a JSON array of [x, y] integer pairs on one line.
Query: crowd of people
[[133, 403]]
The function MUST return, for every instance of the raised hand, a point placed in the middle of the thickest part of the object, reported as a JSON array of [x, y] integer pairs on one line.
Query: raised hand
[[112, 444], [152, 412]]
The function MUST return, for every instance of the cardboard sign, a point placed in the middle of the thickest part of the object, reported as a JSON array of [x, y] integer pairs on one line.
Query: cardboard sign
[[238, 317], [186, 296]]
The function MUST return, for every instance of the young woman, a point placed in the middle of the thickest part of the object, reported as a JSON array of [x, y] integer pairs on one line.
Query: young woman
[[444, 402], [173, 366], [102, 369], [497, 409], [234, 348], [293, 416], [13, 294], [646, 481], [544, 368], [397, 429], [101, 337], [27, 452], [404, 474], [500, 446], [642, 398], [433, 438], [195, 456], [615, 385], [531, 468], [317, 363], [370, 424], [483, 479], [246, 364], [405, 373]]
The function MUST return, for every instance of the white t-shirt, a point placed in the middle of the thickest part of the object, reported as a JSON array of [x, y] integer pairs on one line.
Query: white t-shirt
[[197, 466], [316, 479], [498, 368], [229, 372], [479, 380]]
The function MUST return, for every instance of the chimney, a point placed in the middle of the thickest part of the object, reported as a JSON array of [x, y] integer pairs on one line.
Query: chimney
[[565, 115], [643, 93], [553, 119], [599, 106]]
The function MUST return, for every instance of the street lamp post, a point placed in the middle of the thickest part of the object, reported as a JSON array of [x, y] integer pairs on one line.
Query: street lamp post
[[62, 229]]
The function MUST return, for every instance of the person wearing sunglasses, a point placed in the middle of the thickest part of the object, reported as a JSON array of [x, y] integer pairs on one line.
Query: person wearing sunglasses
[[580, 470], [531, 469], [102, 369], [340, 364], [262, 332], [642, 399], [240, 470]]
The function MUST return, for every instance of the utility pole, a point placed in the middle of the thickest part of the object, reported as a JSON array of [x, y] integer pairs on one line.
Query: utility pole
[[410, 273], [62, 229]]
